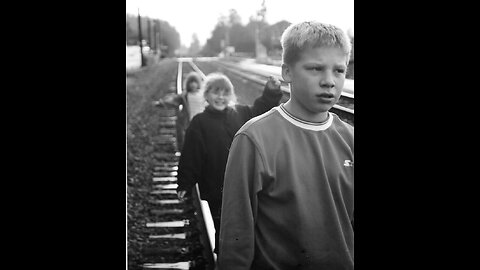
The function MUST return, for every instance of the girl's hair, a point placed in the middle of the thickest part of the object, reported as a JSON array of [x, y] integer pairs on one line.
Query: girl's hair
[[192, 77], [217, 81], [312, 34]]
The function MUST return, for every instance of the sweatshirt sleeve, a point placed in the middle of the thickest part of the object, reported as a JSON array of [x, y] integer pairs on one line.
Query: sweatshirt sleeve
[[190, 164], [243, 179], [269, 99]]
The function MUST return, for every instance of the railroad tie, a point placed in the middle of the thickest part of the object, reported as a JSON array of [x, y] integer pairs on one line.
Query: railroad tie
[[162, 174], [164, 191], [169, 236], [162, 212], [167, 186], [165, 179], [166, 168], [179, 265], [175, 236], [168, 224]]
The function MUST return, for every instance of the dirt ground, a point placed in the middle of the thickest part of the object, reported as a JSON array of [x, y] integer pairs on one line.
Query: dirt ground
[[143, 87]]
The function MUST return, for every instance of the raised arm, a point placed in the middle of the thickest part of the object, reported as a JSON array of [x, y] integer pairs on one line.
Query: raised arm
[[239, 206], [270, 98], [170, 100]]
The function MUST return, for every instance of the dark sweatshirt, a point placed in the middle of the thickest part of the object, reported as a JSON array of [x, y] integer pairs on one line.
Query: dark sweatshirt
[[207, 143]]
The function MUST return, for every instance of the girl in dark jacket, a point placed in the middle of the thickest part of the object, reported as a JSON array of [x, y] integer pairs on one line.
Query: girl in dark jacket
[[209, 135]]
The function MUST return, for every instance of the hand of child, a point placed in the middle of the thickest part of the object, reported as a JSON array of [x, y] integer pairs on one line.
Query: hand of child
[[170, 99], [181, 194], [158, 103], [273, 84]]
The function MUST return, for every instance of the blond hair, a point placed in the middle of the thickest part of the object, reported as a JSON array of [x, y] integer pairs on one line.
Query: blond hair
[[311, 34], [217, 81]]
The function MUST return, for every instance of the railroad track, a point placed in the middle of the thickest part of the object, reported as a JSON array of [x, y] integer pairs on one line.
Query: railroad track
[[180, 232]]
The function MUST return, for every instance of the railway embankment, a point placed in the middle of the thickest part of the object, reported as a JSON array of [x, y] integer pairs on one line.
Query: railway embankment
[[143, 86]]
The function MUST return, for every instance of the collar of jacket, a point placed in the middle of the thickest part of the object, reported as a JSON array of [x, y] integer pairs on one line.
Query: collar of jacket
[[211, 110]]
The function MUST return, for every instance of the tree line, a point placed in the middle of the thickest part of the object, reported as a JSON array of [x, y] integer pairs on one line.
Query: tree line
[[168, 36], [229, 31]]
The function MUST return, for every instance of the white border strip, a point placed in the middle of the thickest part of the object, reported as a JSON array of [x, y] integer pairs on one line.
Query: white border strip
[[207, 216], [179, 77]]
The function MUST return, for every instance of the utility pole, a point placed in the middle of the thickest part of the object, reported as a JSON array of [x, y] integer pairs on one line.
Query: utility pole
[[140, 38], [159, 39], [149, 35], [260, 51], [154, 47], [159, 49], [227, 35]]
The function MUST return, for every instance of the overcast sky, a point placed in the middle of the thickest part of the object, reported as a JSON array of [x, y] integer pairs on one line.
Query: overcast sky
[[201, 16]]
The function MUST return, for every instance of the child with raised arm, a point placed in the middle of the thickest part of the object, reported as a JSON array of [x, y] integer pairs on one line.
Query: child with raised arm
[[191, 100], [288, 190], [208, 139]]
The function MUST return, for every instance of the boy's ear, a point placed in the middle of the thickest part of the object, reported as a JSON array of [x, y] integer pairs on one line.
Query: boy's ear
[[286, 73]]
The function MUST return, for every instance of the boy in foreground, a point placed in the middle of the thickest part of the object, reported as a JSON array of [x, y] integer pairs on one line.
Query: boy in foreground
[[288, 186]]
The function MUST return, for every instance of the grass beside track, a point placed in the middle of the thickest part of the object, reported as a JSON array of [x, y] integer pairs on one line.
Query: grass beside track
[[143, 86]]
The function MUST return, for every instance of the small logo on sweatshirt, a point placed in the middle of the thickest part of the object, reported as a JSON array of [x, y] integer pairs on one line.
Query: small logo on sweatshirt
[[348, 163]]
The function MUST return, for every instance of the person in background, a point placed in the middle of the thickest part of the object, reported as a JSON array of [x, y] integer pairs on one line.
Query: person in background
[[208, 139], [288, 191], [190, 103]]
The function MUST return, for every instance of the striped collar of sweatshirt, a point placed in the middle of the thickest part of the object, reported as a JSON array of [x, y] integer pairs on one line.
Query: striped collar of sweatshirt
[[302, 123]]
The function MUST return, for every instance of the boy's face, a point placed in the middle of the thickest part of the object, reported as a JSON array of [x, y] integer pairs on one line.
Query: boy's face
[[218, 99], [316, 79]]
